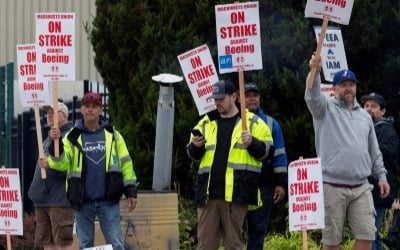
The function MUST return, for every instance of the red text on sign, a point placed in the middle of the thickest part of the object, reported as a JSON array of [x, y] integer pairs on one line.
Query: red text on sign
[[243, 48], [204, 91], [300, 188], [201, 73], [27, 69], [305, 206], [55, 58], [340, 3], [237, 17], [31, 57], [54, 27], [33, 86], [196, 62], [55, 40], [238, 31], [9, 195], [4, 182]]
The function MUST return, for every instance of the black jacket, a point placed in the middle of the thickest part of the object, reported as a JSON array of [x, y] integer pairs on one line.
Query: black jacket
[[388, 144]]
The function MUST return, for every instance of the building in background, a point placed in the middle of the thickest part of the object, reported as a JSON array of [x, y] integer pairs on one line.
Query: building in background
[[17, 26]]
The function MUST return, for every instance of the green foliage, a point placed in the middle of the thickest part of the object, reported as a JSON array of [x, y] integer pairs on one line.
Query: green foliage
[[187, 224], [289, 241], [134, 40]]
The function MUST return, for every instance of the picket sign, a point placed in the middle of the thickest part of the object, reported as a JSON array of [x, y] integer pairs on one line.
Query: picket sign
[[200, 74], [239, 52], [32, 89], [55, 49], [10, 204], [336, 11], [306, 200]]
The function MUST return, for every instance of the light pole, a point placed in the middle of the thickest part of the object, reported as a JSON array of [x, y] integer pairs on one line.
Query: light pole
[[164, 131]]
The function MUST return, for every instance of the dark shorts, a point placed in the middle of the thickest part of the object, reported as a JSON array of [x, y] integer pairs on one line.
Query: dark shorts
[[54, 226]]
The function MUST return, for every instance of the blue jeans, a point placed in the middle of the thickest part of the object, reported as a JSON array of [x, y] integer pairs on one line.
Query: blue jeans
[[380, 214], [257, 220], [109, 219]]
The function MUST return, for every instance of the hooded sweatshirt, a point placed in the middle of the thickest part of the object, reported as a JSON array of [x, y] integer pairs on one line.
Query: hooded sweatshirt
[[49, 192], [345, 139], [94, 149]]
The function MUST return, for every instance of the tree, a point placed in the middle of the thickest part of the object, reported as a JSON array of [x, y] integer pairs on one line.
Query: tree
[[134, 40]]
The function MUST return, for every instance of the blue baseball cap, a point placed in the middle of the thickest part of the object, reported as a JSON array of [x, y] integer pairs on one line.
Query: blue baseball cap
[[344, 75]]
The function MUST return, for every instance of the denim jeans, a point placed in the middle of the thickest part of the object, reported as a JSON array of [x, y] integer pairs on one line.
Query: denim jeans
[[380, 214], [108, 215]]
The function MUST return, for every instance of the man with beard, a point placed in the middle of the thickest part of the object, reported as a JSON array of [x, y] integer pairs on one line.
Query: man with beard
[[346, 142], [388, 141], [230, 168]]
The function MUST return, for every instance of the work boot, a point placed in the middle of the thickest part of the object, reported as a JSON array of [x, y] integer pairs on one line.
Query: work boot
[[393, 238]]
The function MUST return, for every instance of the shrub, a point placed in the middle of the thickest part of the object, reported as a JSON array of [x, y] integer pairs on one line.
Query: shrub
[[289, 241], [187, 224]]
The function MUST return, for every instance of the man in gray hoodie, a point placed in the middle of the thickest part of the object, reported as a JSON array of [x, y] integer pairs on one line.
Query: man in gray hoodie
[[54, 216], [345, 141]]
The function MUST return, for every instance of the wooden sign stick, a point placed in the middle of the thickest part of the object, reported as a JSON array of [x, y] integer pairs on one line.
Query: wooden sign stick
[[304, 231], [39, 138], [242, 100], [305, 239], [318, 52], [8, 241], [55, 112]]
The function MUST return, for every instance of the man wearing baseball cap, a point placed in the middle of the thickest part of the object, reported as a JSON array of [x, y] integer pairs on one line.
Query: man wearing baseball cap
[[99, 170], [273, 181], [54, 216], [345, 140], [388, 141], [230, 168]]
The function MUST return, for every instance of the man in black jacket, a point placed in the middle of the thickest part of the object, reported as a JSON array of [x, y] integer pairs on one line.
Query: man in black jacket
[[388, 141]]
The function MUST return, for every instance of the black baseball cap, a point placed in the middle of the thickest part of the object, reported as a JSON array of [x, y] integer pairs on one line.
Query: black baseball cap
[[376, 97], [222, 88]]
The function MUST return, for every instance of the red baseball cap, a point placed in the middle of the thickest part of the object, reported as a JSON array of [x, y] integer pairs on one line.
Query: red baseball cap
[[92, 97]]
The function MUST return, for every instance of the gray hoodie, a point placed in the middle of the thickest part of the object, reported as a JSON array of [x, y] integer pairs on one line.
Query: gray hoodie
[[49, 192], [345, 139]]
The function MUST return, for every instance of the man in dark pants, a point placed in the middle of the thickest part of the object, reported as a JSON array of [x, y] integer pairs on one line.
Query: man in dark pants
[[273, 175], [388, 142], [230, 161]]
